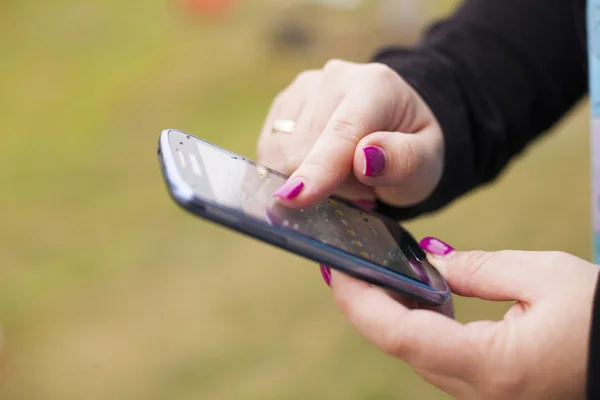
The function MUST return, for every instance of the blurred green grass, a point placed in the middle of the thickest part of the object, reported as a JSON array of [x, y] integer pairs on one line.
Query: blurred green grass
[[107, 290]]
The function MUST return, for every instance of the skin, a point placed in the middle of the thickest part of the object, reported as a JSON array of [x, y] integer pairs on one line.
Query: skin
[[539, 350], [340, 110]]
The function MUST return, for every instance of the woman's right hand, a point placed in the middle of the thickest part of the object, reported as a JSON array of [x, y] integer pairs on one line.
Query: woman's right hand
[[360, 131], [538, 351]]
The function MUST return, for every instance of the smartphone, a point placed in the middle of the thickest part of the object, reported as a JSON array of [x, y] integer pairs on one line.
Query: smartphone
[[233, 191]]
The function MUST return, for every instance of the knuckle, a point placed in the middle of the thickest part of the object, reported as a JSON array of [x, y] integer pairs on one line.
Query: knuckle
[[307, 75], [553, 256], [395, 342], [555, 261], [393, 345], [381, 71], [475, 261], [343, 128], [388, 84], [347, 130], [411, 163], [402, 343], [322, 167], [279, 98], [334, 65]]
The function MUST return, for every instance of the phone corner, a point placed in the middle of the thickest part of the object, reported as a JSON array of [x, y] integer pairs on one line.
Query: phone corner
[[164, 132], [182, 195], [180, 191]]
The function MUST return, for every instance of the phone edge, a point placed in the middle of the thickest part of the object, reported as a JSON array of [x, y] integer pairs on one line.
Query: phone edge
[[332, 257]]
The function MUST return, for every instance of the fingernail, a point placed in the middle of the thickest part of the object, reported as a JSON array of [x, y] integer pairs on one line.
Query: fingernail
[[374, 161], [435, 246], [326, 274], [290, 189], [366, 204]]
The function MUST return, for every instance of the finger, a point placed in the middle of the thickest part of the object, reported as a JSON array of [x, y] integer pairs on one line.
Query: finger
[[320, 104], [404, 167], [272, 145], [423, 338], [293, 148], [446, 309], [317, 111], [331, 91], [290, 109], [287, 105], [330, 161], [273, 111], [495, 276], [266, 148], [295, 96]]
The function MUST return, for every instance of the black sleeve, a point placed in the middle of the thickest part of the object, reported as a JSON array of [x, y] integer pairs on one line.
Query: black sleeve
[[497, 74], [593, 380]]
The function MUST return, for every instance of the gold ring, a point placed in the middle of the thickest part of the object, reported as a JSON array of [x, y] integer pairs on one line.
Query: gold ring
[[284, 126]]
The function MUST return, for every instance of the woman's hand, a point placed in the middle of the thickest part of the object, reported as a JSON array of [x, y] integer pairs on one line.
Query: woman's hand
[[360, 131], [538, 351]]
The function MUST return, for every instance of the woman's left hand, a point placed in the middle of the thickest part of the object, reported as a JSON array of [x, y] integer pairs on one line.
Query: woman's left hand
[[538, 351]]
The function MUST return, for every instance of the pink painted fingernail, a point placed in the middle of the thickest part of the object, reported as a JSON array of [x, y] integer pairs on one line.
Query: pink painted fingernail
[[326, 274], [290, 189], [435, 246], [366, 204], [374, 161]]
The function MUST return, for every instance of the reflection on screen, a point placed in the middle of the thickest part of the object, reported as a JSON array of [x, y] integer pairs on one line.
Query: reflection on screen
[[238, 183]]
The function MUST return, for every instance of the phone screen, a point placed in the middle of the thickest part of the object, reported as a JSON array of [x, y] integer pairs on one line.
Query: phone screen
[[240, 184]]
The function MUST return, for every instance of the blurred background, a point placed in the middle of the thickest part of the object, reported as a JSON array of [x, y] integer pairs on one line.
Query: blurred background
[[110, 291]]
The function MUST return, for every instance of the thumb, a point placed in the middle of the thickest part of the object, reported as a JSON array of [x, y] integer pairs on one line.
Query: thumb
[[404, 168], [495, 276]]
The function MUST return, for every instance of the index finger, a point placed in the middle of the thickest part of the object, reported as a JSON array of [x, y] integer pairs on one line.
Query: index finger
[[425, 339], [330, 160]]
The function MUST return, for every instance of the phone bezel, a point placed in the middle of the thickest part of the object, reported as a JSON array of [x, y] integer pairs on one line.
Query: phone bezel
[[294, 242]]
